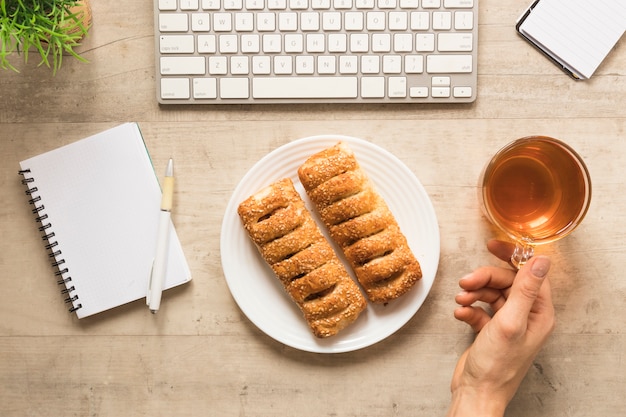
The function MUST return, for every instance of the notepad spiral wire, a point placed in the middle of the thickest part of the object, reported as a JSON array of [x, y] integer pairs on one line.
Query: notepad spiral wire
[[52, 244]]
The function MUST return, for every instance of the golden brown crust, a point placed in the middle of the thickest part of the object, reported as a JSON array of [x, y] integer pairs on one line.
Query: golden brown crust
[[360, 222], [291, 243]]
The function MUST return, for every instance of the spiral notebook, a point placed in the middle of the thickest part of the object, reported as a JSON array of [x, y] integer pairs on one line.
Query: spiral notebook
[[97, 205], [576, 35]]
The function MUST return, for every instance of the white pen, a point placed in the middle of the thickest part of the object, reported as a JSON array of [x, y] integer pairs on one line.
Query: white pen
[[157, 278]]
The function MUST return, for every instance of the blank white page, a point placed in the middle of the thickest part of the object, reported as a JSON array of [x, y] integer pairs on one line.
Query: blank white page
[[577, 33], [102, 198]]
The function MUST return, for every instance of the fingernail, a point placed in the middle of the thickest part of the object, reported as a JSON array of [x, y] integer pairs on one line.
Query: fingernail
[[465, 277], [541, 266]]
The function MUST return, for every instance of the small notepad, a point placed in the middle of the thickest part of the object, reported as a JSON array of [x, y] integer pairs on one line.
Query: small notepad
[[97, 203], [576, 34]]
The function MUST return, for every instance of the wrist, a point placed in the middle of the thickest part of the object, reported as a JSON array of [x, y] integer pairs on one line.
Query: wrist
[[471, 402]]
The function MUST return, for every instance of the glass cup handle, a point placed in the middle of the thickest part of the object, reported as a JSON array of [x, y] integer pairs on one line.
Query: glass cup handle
[[522, 253]]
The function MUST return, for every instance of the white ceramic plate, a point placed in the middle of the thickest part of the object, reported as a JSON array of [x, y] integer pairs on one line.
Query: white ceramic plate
[[258, 292]]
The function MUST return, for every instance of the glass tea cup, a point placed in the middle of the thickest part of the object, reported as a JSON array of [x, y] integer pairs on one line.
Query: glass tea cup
[[537, 190]]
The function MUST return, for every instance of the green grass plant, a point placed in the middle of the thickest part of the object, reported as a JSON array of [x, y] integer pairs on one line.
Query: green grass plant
[[50, 27]]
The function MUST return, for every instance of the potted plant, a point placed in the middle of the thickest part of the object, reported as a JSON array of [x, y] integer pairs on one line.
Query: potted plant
[[51, 27]]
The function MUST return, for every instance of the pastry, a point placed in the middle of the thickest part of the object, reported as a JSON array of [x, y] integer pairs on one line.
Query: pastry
[[290, 241], [360, 223]]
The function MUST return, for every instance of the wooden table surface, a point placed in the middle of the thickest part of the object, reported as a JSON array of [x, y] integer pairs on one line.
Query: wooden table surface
[[205, 357]]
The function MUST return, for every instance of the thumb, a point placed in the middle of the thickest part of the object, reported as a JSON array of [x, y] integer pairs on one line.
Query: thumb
[[526, 287]]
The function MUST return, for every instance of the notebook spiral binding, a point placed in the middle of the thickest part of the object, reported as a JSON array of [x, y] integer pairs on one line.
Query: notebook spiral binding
[[52, 245]]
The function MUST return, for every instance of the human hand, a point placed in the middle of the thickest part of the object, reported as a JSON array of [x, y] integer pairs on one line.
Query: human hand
[[490, 371]]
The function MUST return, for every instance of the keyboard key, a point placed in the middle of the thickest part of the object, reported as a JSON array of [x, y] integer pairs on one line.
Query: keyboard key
[[294, 43], [177, 44], [458, 4], [276, 4], [233, 4], [239, 65], [442, 21], [437, 64], [337, 42], [244, 22], [189, 4], [261, 64], [173, 22], [211, 4], [364, 4], [381, 42], [326, 64], [222, 22], [354, 21], [182, 65], [440, 81], [331, 21], [205, 88], [420, 20], [167, 4], [255, 4], [228, 44], [320, 4], [462, 92], [175, 88], [464, 20], [304, 87], [359, 42], [373, 87], [370, 64], [207, 44], [431, 4], [348, 64], [425, 42], [376, 20], [397, 87], [392, 64], [200, 22], [454, 42], [402, 42], [218, 65], [272, 43], [409, 4], [414, 64], [398, 20], [440, 92], [342, 4], [266, 22], [315, 42], [418, 92], [298, 4], [283, 64], [305, 64], [234, 88], [250, 44], [387, 4], [310, 21], [287, 22]]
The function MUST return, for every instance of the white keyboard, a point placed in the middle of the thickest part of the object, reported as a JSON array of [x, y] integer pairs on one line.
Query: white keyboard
[[322, 51]]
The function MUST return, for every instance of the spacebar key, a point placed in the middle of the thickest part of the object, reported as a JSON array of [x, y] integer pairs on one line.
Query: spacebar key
[[304, 87]]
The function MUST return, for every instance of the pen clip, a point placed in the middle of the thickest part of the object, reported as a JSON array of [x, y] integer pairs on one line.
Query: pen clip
[[150, 284]]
